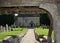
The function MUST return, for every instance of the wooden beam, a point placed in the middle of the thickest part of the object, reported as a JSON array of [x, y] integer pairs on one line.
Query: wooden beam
[[21, 10]]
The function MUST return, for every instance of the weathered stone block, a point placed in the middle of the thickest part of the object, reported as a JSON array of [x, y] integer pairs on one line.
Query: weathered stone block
[[1, 41], [8, 39]]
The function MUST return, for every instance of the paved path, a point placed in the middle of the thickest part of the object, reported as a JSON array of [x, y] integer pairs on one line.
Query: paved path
[[29, 37]]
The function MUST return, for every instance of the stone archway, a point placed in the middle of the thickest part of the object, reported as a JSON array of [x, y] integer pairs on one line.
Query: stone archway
[[52, 9], [51, 25]]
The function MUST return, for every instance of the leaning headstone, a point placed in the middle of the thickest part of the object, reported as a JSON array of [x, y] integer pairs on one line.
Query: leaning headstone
[[6, 27]]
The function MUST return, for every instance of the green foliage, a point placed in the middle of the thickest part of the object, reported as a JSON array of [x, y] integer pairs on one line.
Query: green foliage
[[44, 19], [41, 31], [6, 19], [12, 33]]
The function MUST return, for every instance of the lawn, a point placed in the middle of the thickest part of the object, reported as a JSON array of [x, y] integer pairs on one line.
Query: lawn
[[41, 31], [15, 31]]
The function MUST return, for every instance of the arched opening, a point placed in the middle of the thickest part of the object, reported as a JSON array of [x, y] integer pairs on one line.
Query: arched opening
[[36, 12], [50, 26], [31, 13]]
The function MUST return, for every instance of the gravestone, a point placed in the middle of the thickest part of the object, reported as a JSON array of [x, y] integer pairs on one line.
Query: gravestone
[[1, 28], [4, 29], [7, 27], [10, 28]]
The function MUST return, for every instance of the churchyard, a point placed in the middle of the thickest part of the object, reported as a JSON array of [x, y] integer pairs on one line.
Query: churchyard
[[13, 32], [43, 31]]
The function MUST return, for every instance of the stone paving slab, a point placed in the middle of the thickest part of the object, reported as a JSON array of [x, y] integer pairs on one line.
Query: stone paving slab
[[29, 37]]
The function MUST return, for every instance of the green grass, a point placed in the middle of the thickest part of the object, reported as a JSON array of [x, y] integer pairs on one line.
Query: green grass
[[41, 31], [16, 31]]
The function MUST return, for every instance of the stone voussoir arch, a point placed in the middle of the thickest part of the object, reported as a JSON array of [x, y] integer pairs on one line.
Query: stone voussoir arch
[[52, 9]]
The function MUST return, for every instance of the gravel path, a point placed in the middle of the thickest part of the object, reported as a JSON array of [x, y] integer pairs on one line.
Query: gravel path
[[29, 37]]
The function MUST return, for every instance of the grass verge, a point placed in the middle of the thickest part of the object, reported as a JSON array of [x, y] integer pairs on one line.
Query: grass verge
[[15, 31], [41, 31]]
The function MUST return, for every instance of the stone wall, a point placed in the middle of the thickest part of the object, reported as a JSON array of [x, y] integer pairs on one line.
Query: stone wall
[[26, 21], [57, 25], [53, 9], [9, 3]]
